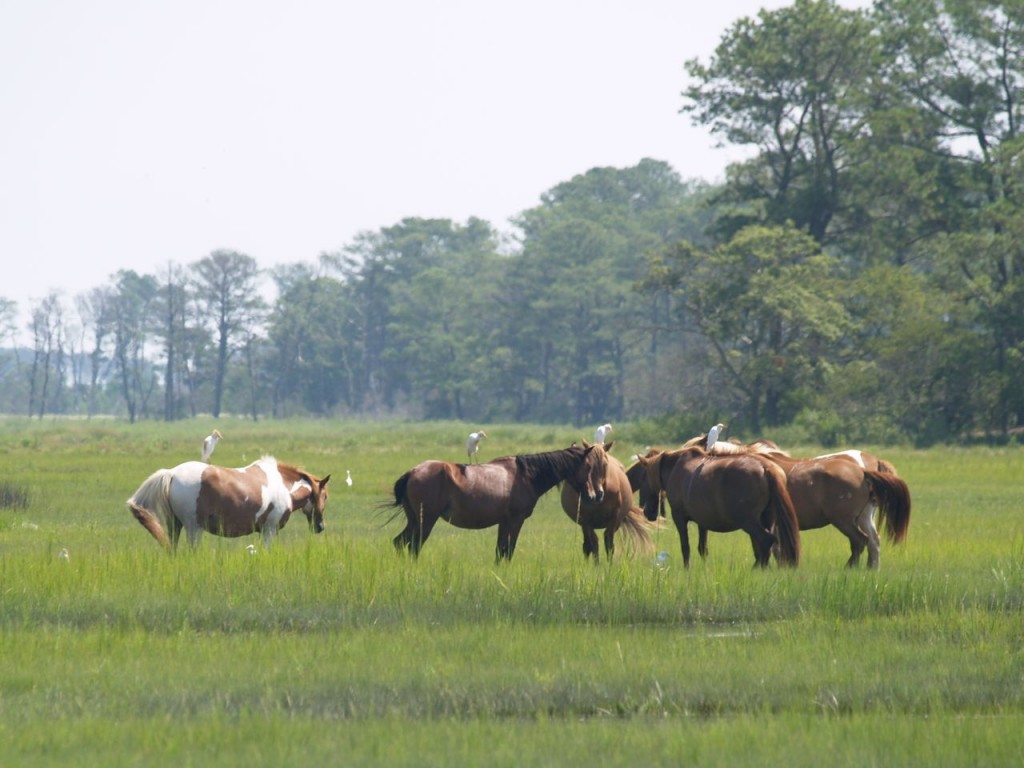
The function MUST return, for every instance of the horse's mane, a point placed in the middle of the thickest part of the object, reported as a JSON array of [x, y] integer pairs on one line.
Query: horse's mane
[[545, 470]]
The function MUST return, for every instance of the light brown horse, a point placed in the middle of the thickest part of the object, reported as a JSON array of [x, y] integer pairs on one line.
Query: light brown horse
[[723, 493], [502, 492], [227, 502], [611, 513], [840, 489]]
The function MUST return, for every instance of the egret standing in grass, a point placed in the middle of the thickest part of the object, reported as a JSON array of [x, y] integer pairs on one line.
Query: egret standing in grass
[[473, 443], [209, 444], [713, 434], [601, 433], [348, 477]]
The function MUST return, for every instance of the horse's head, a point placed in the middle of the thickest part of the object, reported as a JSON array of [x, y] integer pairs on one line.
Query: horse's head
[[590, 475], [647, 477], [314, 500]]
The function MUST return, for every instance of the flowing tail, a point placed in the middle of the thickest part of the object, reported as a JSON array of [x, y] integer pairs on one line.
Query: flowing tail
[[399, 501], [637, 528], [893, 498], [151, 506], [787, 529]]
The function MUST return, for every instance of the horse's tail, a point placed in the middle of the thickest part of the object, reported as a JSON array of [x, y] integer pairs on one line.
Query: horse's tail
[[151, 506], [637, 528], [401, 485], [400, 495], [893, 498], [787, 529]]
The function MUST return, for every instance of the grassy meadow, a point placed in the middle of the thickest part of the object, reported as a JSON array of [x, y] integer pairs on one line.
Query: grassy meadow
[[335, 648]]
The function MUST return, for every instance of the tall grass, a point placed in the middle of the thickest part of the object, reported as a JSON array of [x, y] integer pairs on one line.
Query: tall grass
[[336, 645]]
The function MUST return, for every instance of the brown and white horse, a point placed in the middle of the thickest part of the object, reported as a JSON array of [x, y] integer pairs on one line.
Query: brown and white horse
[[227, 502]]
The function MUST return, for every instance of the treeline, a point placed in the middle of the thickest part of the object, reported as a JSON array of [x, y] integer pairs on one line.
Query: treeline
[[859, 278]]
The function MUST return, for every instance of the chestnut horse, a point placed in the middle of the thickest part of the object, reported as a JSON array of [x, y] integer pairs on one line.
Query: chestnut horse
[[614, 511], [228, 502], [502, 492], [723, 493], [841, 489]]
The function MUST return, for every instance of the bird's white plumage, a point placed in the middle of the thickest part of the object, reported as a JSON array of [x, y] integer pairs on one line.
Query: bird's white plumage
[[713, 434], [601, 433], [348, 477], [210, 443], [473, 443]]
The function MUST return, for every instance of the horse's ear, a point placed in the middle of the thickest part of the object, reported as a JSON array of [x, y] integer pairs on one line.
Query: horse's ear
[[586, 444], [323, 482], [608, 446]]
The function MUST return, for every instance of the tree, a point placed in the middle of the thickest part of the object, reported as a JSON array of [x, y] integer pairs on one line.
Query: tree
[[314, 343], [227, 291], [130, 307], [47, 326], [172, 305], [768, 303], [790, 83]]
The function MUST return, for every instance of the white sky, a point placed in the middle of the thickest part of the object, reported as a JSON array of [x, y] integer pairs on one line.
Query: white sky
[[136, 133]]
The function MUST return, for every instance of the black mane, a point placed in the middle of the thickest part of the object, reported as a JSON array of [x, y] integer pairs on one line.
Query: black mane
[[543, 471]]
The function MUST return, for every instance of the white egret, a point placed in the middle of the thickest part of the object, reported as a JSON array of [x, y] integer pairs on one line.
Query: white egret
[[64, 554], [713, 434], [348, 478], [601, 433], [209, 444], [473, 443]]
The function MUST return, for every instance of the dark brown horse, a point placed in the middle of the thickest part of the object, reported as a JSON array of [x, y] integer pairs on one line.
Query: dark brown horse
[[228, 502], [840, 489], [611, 513], [723, 493], [502, 492]]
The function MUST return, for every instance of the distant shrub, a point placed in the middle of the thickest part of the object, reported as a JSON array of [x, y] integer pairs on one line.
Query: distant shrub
[[13, 495]]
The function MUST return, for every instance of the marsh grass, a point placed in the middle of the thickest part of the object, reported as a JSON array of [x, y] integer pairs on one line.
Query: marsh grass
[[334, 645]]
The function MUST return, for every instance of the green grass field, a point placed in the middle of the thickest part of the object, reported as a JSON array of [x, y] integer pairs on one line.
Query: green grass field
[[335, 648]]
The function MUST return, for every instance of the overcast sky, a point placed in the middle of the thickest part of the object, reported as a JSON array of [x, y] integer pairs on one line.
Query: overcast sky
[[133, 134]]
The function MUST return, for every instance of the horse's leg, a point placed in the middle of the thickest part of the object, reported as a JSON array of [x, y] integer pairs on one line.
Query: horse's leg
[[609, 540], [866, 523], [856, 549], [590, 544], [702, 542], [175, 532], [762, 542], [508, 535], [415, 532], [684, 540]]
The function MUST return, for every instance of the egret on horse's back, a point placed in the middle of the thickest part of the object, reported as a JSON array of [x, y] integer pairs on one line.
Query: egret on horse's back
[[227, 502]]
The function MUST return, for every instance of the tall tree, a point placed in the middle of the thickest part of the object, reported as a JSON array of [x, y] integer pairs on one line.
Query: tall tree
[[791, 84], [130, 321], [47, 326], [768, 302], [227, 290]]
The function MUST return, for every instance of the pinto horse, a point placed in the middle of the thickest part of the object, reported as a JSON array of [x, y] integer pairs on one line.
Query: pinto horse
[[502, 492], [612, 512], [228, 502], [841, 489], [723, 493]]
